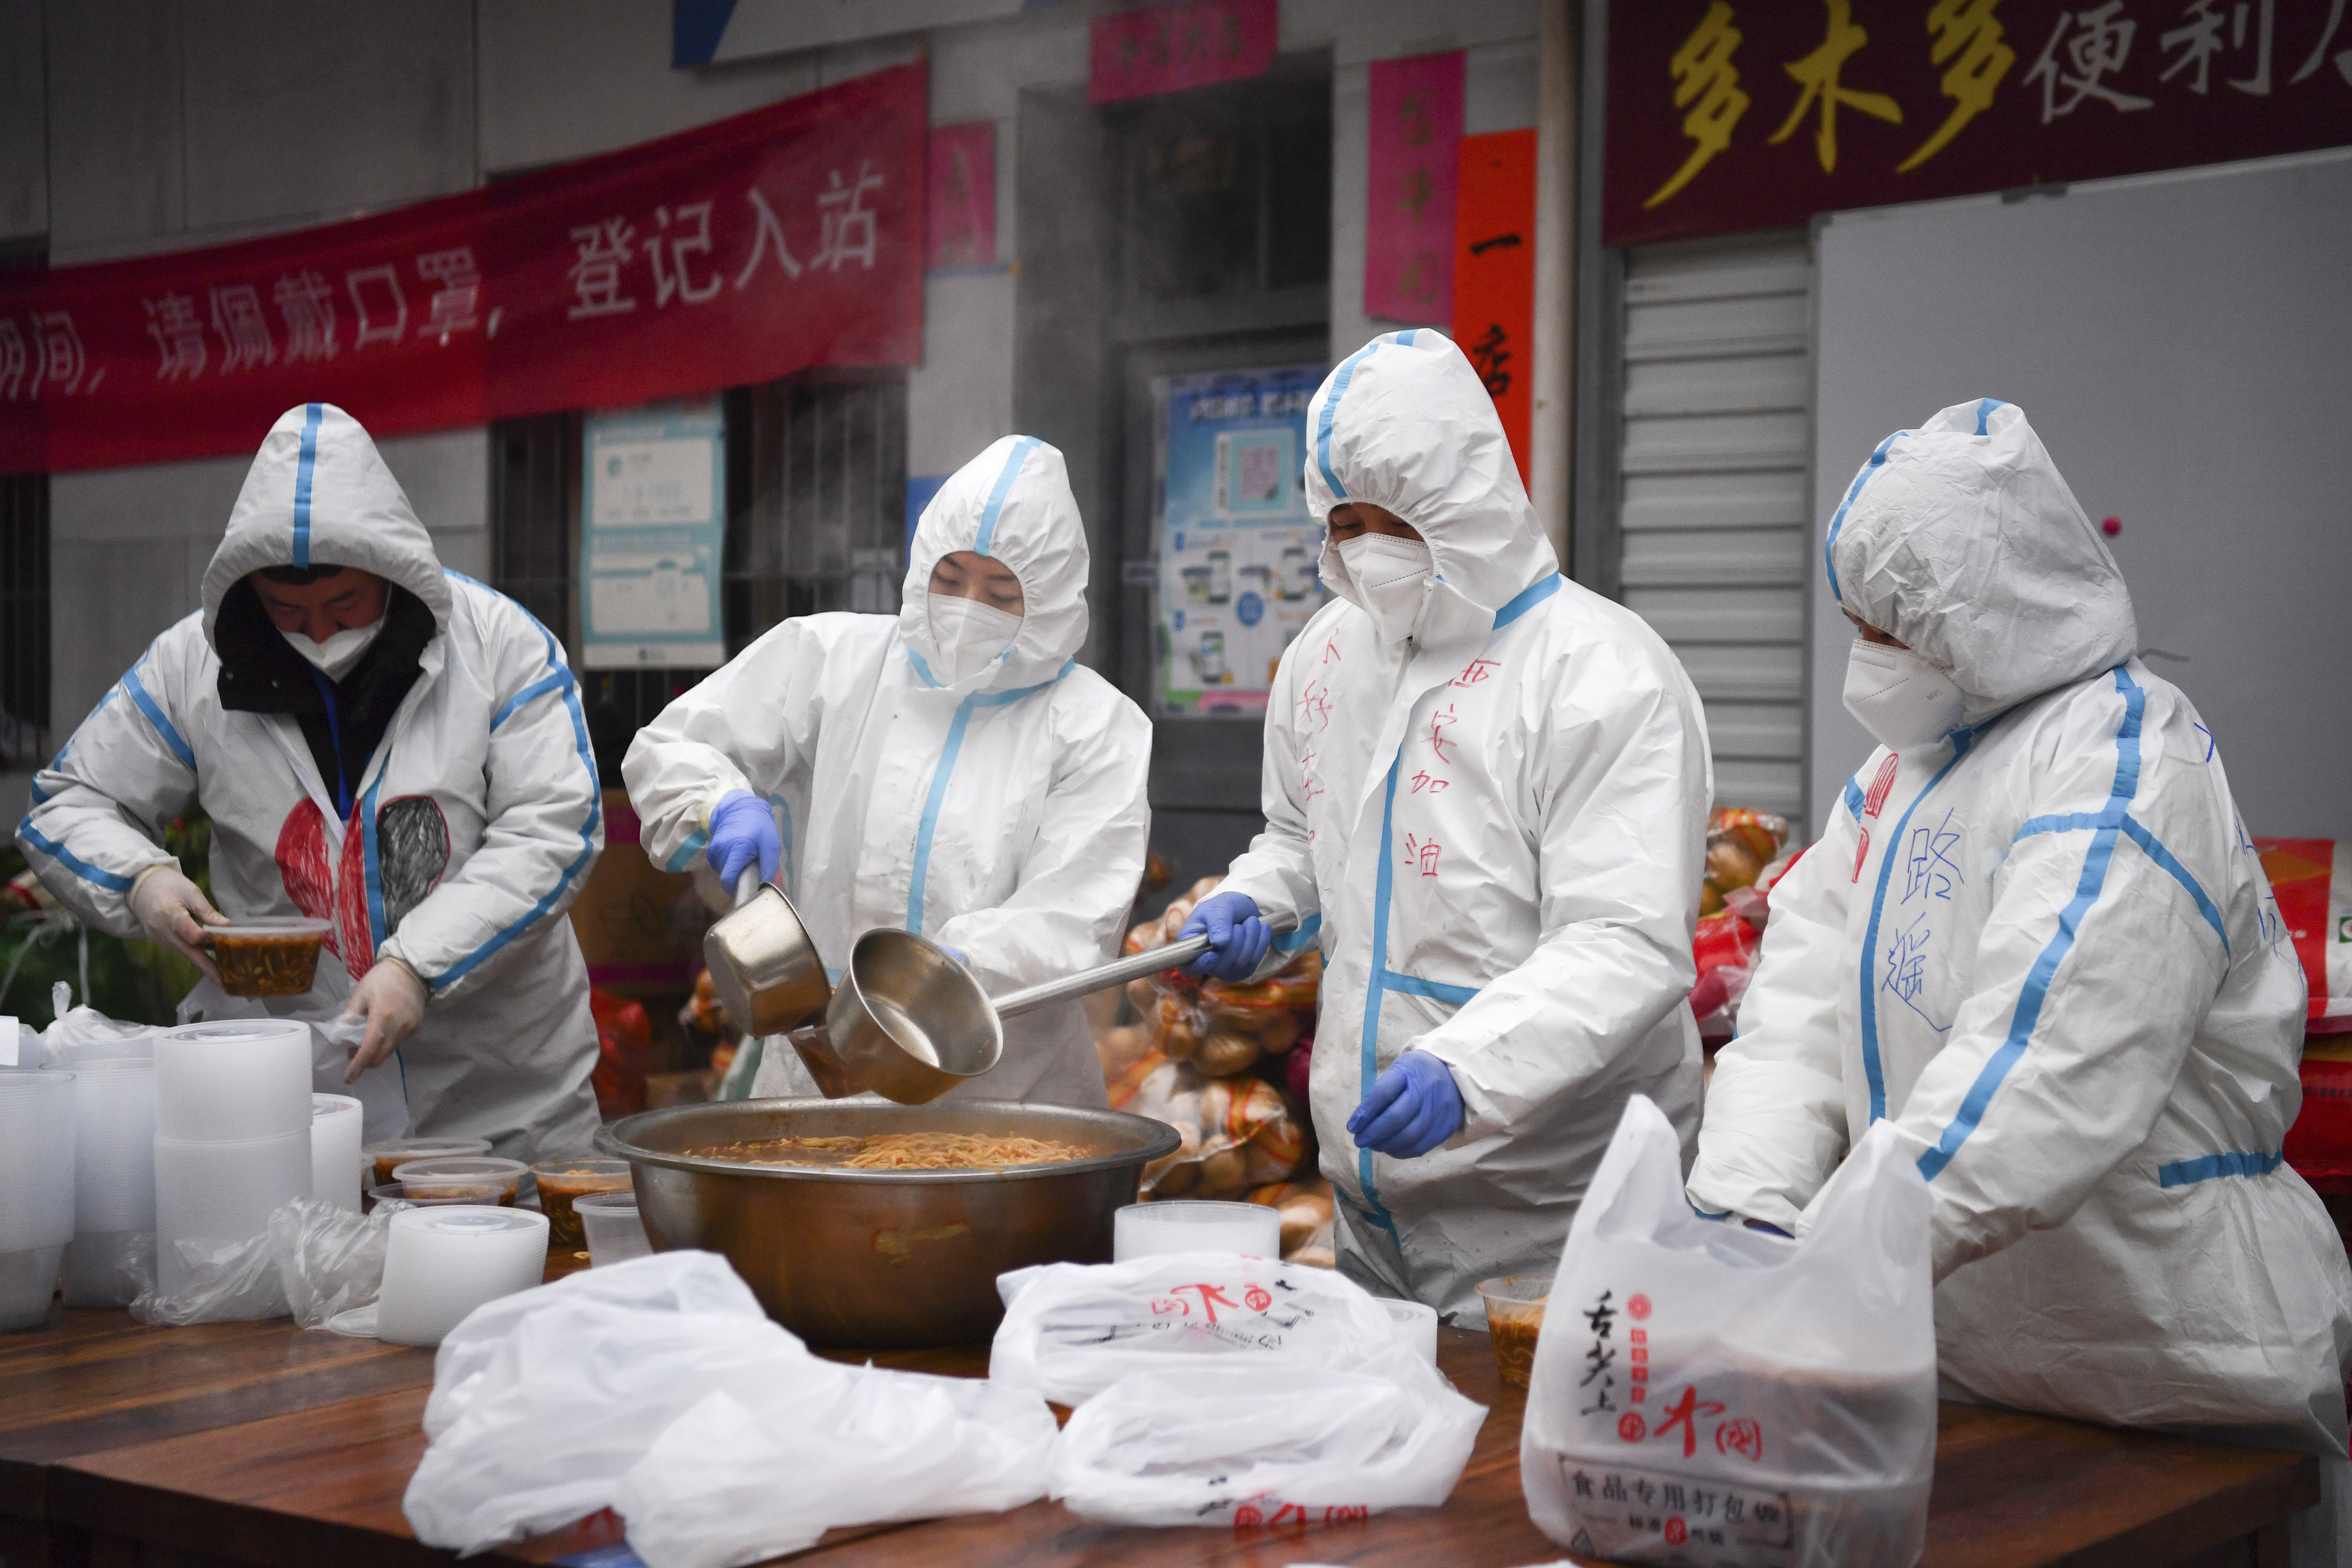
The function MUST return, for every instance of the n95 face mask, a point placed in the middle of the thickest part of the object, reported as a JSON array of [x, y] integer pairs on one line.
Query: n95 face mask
[[968, 634], [1391, 576], [339, 654], [1899, 697]]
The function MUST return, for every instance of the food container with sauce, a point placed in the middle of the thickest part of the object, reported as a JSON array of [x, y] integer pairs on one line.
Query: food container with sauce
[[390, 1155], [560, 1182], [270, 957], [478, 1179], [616, 1233], [1515, 1315]]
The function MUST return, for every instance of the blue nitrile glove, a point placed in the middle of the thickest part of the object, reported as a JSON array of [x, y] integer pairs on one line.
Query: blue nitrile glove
[[1414, 1107], [743, 829], [956, 953], [1237, 938]]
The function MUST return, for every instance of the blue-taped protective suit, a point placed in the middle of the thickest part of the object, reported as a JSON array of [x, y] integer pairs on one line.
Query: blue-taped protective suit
[[1495, 827], [472, 828], [1002, 815], [2044, 948]]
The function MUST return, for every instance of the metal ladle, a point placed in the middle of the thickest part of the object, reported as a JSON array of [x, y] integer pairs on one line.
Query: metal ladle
[[766, 973], [909, 1023]]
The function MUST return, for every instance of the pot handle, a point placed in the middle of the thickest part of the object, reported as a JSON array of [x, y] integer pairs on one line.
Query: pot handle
[[1118, 971], [736, 1084]]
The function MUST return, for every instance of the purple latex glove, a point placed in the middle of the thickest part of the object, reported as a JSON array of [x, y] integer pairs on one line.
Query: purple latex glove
[[1237, 937], [1412, 1108], [743, 829]]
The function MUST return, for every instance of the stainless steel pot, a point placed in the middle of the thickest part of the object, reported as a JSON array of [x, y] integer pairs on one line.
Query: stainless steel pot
[[909, 1023], [883, 1257], [762, 964]]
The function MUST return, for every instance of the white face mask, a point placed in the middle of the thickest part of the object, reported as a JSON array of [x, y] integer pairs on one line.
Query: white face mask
[[1900, 697], [968, 635], [1391, 576], [339, 654]]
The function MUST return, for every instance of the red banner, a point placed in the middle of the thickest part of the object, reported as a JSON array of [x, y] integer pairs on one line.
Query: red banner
[[1494, 274], [737, 252], [1166, 48], [1738, 114], [1411, 168]]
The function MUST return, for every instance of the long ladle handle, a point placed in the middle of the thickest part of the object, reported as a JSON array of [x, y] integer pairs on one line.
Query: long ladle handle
[[1118, 971]]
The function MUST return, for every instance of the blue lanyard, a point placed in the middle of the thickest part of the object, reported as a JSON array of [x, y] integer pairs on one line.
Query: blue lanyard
[[335, 736]]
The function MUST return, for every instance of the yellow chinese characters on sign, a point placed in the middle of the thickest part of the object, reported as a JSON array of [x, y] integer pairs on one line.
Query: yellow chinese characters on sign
[[1703, 71], [1818, 73], [1968, 30]]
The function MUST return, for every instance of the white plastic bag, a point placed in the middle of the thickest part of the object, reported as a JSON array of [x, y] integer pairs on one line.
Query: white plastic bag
[[597, 1390], [82, 1034], [225, 1282], [329, 1260], [1715, 1397], [1236, 1444], [1071, 1330], [728, 1483]]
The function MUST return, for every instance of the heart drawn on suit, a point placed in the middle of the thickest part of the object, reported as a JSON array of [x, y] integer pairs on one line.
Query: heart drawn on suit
[[412, 845]]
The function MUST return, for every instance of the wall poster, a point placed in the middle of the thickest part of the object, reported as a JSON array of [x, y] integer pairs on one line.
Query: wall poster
[[653, 537], [1236, 551]]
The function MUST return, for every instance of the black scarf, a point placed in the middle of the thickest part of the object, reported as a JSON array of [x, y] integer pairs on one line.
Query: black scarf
[[262, 674]]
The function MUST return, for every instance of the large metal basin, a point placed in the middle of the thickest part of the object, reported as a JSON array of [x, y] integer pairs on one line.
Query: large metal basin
[[883, 1257]]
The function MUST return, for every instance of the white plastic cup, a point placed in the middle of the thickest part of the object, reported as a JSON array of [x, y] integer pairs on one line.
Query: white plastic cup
[[439, 1264], [1188, 1224], [28, 1279], [1416, 1327], [37, 1160], [214, 1194], [236, 1079], [108, 1267], [335, 1121], [615, 1231], [114, 1145]]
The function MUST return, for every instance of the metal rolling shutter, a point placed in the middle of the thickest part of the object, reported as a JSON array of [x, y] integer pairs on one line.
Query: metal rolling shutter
[[1715, 495]]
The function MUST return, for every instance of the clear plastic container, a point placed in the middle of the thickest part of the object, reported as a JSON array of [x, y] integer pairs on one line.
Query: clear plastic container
[[269, 957], [478, 1179], [614, 1231], [1515, 1315], [560, 1182], [1187, 1225], [27, 1281], [385, 1158]]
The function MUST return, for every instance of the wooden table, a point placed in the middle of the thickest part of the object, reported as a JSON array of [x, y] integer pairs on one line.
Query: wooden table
[[259, 1443]]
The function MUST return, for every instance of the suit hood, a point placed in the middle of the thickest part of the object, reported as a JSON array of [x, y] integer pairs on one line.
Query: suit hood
[[1011, 503], [318, 495], [1405, 423], [1960, 539]]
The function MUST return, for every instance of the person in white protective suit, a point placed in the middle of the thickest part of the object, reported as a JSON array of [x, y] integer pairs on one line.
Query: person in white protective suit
[[382, 744], [949, 770], [2035, 935], [1486, 794]]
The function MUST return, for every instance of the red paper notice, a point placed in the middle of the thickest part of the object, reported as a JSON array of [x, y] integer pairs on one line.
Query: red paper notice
[[1166, 48]]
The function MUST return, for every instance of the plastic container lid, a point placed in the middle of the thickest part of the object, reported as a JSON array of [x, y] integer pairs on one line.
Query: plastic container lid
[[271, 926], [469, 1180]]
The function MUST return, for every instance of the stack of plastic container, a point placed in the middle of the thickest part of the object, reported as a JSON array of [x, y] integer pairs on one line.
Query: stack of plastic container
[[114, 1180], [37, 1191], [232, 1135], [335, 1150]]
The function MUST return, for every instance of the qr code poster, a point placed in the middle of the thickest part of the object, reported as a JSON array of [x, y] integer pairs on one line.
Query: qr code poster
[[1236, 552]]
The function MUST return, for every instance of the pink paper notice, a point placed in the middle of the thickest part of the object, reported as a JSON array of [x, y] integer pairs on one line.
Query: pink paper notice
[[1413, 167], [963, 196]]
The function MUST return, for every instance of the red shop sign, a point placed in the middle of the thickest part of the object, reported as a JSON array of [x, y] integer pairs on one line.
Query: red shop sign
[[1740, 114], [736, 252]]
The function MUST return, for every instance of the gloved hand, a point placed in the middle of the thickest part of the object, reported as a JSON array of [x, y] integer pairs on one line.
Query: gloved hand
[[1414, 1107], [956, 953], [173, 911], [392, 998], [1237, 937], [743, 831]]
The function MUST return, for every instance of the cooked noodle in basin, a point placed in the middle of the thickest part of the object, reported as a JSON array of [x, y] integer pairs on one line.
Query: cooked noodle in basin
[[899, 1152]]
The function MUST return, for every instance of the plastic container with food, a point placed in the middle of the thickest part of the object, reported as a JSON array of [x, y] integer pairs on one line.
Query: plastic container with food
[[1515, 1315], [475, 1180], [564, 1180], [269, 957], [385, 1158]]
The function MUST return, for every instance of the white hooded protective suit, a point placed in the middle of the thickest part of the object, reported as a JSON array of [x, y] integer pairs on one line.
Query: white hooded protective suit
[[1002, 815], [1495, 830], [472, 829], [2043, 947]]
